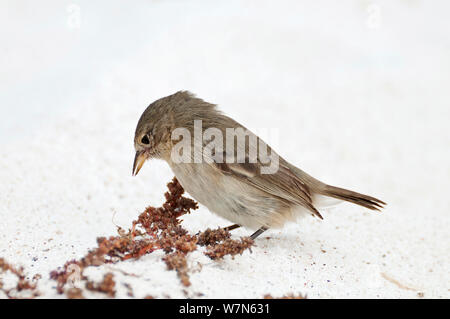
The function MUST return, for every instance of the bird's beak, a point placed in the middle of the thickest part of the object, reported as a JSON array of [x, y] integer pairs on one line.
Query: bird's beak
[[139, 160]]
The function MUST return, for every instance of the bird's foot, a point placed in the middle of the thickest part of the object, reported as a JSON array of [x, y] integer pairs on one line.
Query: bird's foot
[[232, 227], [258, 232]]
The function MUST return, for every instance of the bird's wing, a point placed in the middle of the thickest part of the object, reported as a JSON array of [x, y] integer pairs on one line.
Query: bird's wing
[[283, 183]]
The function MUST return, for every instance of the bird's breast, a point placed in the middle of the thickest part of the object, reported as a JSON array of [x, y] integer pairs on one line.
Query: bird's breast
[[228, 196]]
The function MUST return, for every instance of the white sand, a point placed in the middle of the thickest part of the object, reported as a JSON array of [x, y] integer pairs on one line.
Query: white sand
[[359, 103]]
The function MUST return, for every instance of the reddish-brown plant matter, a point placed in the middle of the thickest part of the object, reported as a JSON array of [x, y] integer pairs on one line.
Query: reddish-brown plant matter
[[22, 285], [157, 228], [74, 293], [107, 285], [229, 247], [212, 237], [177, 261]]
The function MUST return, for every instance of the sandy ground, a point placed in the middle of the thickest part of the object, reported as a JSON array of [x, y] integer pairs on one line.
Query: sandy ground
[[357, 93]]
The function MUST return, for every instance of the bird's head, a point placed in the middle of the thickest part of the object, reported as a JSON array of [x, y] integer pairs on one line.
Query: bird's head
[[153, 136]]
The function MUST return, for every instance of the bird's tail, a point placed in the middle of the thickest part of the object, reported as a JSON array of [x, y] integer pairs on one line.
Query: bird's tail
[[353, 197], [323, 192]]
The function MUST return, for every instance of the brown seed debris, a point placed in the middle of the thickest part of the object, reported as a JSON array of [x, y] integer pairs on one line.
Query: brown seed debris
[[155, 228], [229, 247], [22, 285], [106, 286]]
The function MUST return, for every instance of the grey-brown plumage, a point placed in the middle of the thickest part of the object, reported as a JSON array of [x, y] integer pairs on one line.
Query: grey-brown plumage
[[239, 192]]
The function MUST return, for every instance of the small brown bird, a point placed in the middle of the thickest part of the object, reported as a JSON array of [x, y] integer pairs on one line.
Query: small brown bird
[[245, 182]]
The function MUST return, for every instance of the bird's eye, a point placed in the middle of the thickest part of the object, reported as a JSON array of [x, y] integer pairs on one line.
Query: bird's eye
[[145, 140]]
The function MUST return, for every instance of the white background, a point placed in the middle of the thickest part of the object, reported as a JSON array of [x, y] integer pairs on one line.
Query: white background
[[358, 91]]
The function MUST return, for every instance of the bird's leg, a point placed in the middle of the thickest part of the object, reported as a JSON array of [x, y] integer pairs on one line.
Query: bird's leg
[[232, 227], [258, 232]]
